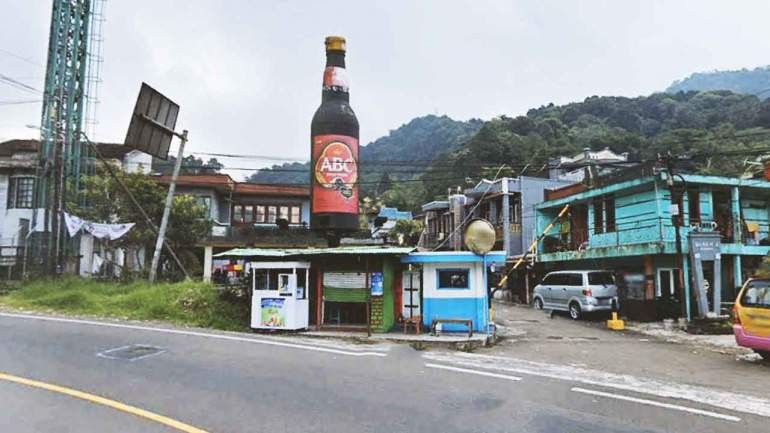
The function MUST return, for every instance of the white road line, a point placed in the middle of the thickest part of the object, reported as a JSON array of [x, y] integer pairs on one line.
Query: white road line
[[731, 401], [466, 370], [193, 334], [658, 404]]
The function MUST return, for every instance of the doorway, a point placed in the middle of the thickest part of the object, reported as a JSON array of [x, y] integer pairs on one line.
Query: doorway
[[578, 226], [410, 286]]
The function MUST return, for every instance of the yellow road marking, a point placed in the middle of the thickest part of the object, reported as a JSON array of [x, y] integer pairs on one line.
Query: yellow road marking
[[104, 401]]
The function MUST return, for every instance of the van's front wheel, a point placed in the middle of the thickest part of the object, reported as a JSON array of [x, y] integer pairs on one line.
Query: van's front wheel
[[764, 354], [538, 304]]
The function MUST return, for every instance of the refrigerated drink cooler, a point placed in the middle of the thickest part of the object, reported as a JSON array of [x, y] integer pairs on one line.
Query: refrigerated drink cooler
[[279, 295]]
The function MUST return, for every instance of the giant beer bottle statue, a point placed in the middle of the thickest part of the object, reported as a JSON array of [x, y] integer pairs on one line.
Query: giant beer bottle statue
[[334, 150]]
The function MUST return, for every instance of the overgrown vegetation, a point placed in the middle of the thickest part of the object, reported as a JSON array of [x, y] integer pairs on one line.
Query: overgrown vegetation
[[108, 203], [188, 303]]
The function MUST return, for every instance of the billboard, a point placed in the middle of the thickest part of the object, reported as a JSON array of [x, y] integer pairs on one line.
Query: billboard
[[152, 123]]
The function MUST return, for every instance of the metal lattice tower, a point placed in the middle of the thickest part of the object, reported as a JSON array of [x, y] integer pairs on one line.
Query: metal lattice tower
[[63, 155]]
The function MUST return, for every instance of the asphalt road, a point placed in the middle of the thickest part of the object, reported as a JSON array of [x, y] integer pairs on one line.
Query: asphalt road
[[226, 382]]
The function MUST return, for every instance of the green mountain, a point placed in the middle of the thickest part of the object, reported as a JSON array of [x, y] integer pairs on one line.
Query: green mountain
[[751, 81], [704, 124], [420, 140]]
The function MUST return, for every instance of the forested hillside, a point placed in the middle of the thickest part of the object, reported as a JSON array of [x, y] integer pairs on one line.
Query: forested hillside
[[682, 123], [752, 81]]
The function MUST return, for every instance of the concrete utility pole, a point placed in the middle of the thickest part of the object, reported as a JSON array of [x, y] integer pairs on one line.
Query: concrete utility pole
[[677, 220], [167, 208]]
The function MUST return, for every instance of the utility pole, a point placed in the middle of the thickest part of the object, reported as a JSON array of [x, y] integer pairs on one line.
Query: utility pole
[[151, 130], [167, 208], [678, 200]]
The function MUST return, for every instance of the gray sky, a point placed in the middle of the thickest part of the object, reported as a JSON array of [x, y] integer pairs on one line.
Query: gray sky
[[247, 74]]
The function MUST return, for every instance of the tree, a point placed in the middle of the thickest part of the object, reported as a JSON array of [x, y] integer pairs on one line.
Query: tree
[[407, 232], [190, 165], [109, 203]]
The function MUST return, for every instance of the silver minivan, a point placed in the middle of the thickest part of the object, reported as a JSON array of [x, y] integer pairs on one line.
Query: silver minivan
[[576, 292]]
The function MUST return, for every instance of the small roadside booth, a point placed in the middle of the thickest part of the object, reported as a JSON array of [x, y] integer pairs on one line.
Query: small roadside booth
[[455, 287], [279, 297]]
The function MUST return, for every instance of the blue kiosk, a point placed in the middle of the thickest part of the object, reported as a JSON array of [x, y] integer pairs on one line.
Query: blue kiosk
[[454, 286]]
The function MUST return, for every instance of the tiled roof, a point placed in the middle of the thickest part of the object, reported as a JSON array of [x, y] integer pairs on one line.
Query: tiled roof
[[268, 189], [108, 150], [224, 181]]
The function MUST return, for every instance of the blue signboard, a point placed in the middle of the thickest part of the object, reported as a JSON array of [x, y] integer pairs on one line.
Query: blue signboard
[[375, 283]]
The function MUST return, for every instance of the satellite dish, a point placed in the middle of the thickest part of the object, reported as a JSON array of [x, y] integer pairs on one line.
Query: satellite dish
[[480, 236]]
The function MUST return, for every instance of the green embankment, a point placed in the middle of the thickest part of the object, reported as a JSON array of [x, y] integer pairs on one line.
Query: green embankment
[[189, 303]]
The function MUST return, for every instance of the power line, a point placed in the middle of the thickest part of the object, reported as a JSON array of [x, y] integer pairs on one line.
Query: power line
[[20, 101], [22, 58], [19, 85]]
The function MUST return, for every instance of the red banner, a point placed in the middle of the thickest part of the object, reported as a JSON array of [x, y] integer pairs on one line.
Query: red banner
[[335, 174]]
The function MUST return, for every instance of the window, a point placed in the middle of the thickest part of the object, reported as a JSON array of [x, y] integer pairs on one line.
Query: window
[[693, 205], [599, 216], [21, 192], [283, 213], [271, 214], [573, 279], [453, 278], [295, 217], [204, 201], [757, 294], [237, 214], [604, 214], [248, 214], [259, 214], [549, 280], [609, 213], [603, 278]]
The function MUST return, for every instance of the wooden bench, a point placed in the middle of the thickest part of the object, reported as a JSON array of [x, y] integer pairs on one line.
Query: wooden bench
[[466, 322], [415, 321]]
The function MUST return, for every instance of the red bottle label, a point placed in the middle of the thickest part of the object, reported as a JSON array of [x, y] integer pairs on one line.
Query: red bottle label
[[335, 174]]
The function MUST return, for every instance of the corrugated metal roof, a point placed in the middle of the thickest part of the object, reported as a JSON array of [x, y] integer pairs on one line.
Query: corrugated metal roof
[[287, 252]]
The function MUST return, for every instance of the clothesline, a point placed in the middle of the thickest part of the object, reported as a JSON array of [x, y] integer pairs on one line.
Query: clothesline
[[98, 230]]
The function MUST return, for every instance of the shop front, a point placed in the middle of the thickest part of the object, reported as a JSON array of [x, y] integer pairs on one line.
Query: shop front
[[343, 288]]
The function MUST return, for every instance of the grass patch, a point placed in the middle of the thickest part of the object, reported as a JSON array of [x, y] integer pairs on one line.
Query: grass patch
[[189, 303]]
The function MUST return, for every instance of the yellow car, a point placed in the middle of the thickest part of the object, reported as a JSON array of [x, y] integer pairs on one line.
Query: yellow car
[[751, 317]]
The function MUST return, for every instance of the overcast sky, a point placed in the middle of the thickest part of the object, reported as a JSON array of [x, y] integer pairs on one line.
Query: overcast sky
[[247, 74]]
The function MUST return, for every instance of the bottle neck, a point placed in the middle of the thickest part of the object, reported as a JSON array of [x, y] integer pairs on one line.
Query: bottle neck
[[335, 80]]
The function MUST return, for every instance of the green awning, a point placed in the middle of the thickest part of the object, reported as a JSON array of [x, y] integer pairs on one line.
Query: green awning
[[298, 252]]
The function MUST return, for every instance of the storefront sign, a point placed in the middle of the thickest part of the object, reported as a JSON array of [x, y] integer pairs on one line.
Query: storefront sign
[[376, 283], [273, 312], [705, 245]]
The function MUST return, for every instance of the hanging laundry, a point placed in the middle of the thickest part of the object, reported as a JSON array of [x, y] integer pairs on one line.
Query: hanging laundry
[[73, 223], [99, 230], [96, 264]]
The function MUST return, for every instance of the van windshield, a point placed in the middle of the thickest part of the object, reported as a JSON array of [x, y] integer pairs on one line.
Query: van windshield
[[757, 294], [603, 278]]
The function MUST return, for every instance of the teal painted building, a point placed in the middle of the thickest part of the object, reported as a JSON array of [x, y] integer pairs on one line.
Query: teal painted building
[[627, 225]]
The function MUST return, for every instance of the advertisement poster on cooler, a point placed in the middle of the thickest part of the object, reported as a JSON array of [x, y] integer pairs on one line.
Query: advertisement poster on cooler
[[273, 312], [335, 174]]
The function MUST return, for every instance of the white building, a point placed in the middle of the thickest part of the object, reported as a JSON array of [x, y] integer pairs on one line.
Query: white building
[[574, 169], [18, 216]]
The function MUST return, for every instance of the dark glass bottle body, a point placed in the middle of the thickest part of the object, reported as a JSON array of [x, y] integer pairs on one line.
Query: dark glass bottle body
[[334, 121]]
